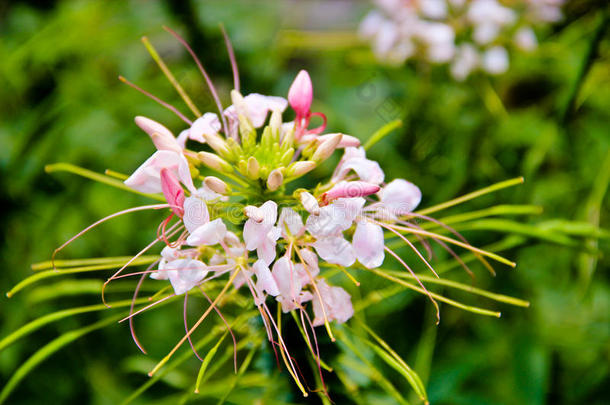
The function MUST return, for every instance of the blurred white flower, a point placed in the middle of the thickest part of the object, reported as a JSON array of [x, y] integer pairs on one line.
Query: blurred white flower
[[467, 35]]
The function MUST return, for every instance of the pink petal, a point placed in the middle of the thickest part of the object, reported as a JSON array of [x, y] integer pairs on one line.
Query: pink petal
[[173, 192], [147, 177], [260, 223], [306, 274], [335, 303], [355, 159], [160, 135], [286, 278], [266, 249]]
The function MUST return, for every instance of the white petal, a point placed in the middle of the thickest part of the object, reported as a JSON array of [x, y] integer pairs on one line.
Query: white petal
[[286, 278], [208, 124], [335, 250], [265, 281], [266, 250], [195, 213], [147, 178], [208, 234], [400, 196], [495, 60], [185, 274], [290, 222], [369, 244]]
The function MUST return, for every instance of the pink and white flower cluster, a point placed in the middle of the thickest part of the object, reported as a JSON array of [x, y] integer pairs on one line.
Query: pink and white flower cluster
[[467, 34], [289, 243]]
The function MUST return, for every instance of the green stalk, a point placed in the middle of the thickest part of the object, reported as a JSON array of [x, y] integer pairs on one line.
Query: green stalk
[[153, 53], [490, 189], [67, 167]]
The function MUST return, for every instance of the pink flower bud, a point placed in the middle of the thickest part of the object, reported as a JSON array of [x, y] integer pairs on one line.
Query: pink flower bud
[[301, 94], [173, 192], [349, 189]]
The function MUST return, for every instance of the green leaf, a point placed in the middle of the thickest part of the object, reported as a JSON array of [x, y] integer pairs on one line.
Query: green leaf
[[393, 359], [367, 368], [52, 317], [67, 167], [48, 350], [460, 286], [475, 194], [73, 270]]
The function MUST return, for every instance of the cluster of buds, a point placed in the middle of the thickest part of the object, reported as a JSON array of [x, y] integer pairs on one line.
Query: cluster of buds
[[469, 35]]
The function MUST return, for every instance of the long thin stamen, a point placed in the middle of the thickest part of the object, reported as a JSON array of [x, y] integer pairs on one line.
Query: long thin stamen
[[231, 58], [147, 307], [199, 321], [448, 249], [140, 253], [186, 326], [158, 100], [389, 228], [205, 76], [438, 311], [283, 349], [456, 257], [93, 225], [220, 267], [491, 255], [304, 315], [226, 324], [133, 302], [263, 314], [315, 287], [420, 239], [494, 187], [460, 237]]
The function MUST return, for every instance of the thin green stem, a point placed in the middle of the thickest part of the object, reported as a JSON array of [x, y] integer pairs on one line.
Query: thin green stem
[[467, 197]]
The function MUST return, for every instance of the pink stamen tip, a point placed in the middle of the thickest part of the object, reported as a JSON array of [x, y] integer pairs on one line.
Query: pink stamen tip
[[349, 189], [300, 94]]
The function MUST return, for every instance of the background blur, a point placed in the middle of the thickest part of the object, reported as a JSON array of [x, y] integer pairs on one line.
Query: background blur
[[60, 101]]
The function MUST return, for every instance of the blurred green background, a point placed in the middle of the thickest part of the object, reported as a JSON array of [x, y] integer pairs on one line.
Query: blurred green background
[[547, 119]]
